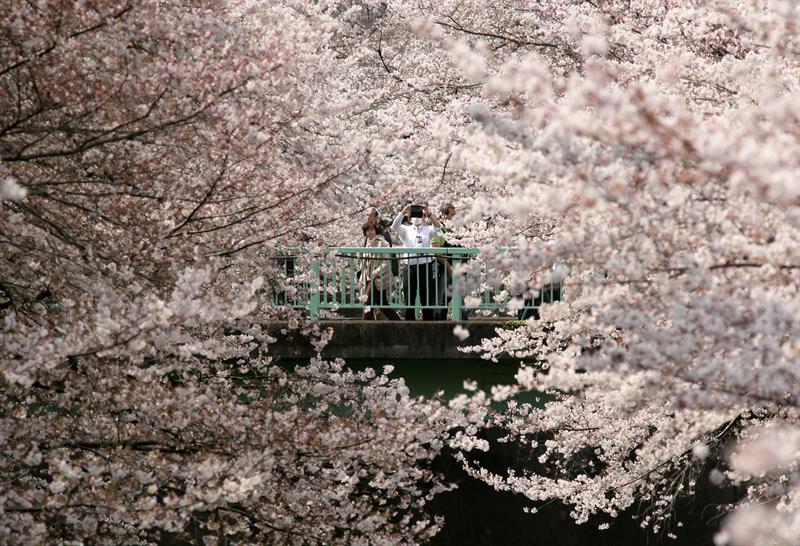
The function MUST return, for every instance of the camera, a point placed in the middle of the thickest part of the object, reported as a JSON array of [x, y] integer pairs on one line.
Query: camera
[[416, 211]]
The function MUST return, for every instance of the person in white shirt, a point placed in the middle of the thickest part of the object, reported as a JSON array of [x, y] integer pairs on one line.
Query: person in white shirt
[[419, 275]]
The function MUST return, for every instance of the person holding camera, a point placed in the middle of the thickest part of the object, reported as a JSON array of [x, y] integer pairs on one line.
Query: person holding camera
[[419, 275], [446, 213]]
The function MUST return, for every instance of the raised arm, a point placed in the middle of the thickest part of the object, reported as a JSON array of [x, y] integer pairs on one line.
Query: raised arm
[[434, 218], [397, 224]]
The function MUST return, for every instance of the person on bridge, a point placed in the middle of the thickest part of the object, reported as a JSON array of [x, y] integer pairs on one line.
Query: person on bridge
[[446, 213], [419, 275], [376, 276], [443, 274], [383, 224], [374, 217]]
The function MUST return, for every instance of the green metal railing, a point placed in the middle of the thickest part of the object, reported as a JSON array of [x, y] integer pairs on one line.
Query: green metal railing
[[336, 281]]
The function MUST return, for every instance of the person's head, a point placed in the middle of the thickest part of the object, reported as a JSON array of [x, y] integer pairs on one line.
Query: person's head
[[416, 221], [371, 230], [447, 211]]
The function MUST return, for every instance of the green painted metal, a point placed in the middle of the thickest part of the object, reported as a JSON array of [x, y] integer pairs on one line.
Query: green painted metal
[[456, 297], [335, 282], [315, 303]]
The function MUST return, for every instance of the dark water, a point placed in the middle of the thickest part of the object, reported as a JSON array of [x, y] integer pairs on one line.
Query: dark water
[[476, 514], [425, 378]]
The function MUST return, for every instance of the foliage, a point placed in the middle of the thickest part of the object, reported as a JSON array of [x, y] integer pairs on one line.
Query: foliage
[[154, 155]]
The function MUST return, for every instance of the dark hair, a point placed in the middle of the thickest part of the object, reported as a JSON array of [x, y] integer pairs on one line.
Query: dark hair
[[378, 220], [376, 227], [444, 209]]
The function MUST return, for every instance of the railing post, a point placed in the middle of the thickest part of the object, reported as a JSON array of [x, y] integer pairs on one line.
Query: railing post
[[315, 293], [456, 298], [418, 298]]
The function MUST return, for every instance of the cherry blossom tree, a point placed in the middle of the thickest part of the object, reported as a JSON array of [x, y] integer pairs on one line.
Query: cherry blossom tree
[[662, 140], [151, 156], [651, 151]]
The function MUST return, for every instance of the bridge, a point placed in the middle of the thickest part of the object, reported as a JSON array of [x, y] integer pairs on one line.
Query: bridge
[[332, 285], [329, 287]]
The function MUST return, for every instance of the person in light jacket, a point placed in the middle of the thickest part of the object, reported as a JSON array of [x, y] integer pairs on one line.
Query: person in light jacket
[[376, 276]]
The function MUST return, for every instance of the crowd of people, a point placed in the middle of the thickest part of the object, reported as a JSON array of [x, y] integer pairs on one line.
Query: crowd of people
[[426, 276]]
